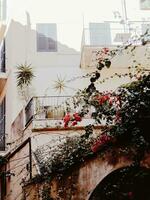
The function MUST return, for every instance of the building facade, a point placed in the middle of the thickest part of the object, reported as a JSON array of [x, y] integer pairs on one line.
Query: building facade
[[60, 45]]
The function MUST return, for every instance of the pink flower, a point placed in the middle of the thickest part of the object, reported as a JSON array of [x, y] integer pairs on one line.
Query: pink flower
[[105, 50]]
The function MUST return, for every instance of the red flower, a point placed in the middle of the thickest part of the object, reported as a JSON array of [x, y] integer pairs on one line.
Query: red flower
[[67, 118], [96, 146], [106, 97], [110, 102], [77, 117], [65, 124], [74, 123], [103, 99], [104, 139]]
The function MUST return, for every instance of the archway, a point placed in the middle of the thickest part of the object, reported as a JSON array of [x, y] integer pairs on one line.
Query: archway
[[129, 183]]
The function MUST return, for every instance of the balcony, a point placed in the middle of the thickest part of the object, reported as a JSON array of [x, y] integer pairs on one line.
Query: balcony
[[49, 111], [110, 35]]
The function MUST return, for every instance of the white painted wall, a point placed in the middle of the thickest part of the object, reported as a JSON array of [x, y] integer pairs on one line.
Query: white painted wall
[[71, 17]]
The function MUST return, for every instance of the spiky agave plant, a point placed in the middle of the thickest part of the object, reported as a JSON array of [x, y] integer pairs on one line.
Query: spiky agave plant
[[24, 75]]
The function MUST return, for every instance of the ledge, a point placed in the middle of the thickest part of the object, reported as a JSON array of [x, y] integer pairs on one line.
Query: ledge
[[63, 129]]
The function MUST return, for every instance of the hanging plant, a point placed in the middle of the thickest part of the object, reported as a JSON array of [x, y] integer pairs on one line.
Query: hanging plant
[[24, 75]]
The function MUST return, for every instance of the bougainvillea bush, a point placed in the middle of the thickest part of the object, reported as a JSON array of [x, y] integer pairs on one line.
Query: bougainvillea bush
[[129, 130], [124, 113]]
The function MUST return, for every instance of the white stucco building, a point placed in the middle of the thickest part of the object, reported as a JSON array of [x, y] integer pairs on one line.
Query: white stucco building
[[58, 40]]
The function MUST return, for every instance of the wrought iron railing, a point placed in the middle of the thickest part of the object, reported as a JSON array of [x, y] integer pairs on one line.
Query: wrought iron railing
[[46, 107]]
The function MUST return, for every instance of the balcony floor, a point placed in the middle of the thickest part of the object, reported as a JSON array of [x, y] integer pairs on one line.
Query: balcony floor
[[55, 123]]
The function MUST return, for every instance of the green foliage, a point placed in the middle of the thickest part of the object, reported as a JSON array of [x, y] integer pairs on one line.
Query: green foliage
[[130, 132], [72, 151], [46, 193], [24, 75]]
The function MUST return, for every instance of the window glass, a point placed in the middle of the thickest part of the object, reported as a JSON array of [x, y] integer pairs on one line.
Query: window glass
[[46, 37]]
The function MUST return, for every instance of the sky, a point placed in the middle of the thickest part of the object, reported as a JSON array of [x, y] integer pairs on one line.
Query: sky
[[93, 9], [73, 15]]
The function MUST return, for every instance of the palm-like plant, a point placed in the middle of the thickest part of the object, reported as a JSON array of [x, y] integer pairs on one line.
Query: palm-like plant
[[24, 75]]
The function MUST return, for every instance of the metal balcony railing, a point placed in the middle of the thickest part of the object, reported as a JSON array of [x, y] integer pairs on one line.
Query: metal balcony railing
[[46, 107], [112, 33]]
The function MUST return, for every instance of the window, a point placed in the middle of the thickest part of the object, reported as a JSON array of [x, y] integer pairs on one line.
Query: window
[[145, 4], [100, 34], [46, 37], [3, 9]]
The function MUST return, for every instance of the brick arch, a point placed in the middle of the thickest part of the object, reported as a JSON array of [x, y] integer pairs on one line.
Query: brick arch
[[80, 181], [132, 183], [95, 170], [77, 182]]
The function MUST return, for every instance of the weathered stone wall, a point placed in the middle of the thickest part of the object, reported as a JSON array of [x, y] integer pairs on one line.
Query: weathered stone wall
[[76, 183]]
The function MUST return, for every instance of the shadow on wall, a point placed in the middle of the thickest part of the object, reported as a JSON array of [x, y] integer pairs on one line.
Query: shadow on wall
[[26, 44], [21, 47]]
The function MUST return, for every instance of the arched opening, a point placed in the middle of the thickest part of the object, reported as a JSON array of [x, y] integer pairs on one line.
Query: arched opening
[[129, 183]]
